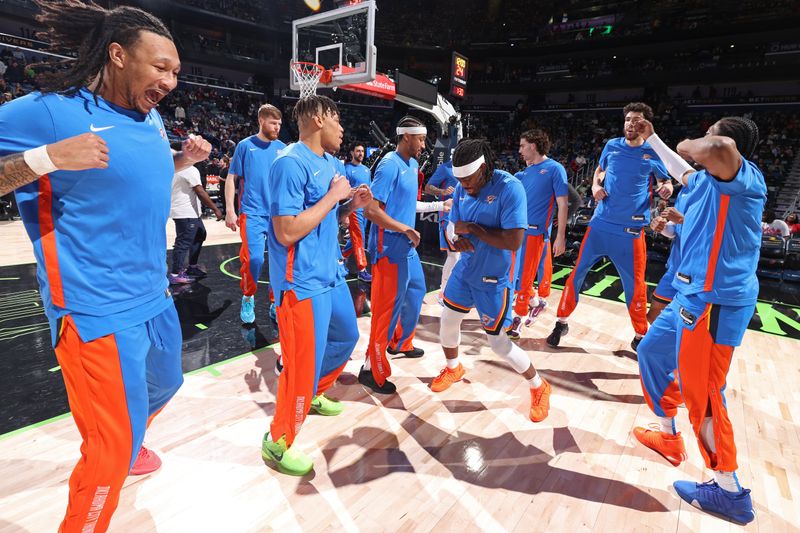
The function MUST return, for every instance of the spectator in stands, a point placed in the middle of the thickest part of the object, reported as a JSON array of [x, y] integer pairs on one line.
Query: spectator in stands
[[771, 225], [15, 73], [180, 113], [793, 223]]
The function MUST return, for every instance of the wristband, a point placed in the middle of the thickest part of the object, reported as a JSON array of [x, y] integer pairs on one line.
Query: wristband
[[39, 161]]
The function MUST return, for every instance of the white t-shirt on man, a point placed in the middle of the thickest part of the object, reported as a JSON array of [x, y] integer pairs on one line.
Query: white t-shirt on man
[[185, 203]]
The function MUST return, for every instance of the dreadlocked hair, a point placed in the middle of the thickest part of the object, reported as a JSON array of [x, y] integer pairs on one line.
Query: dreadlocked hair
[[468, 150], [409, 121], [314, 105], [743, 131], [85, 27]]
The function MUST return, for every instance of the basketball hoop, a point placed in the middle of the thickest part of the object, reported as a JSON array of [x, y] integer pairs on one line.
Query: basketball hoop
[[308, 75]]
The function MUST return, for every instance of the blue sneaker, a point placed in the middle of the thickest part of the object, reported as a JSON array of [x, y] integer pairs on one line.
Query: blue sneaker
[[248, 312], [711, 498], [364, 276], [273, 312]]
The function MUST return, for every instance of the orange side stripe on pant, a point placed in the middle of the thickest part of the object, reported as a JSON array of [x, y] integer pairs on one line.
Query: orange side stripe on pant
[[703, 367], [530, 265], [96, 393], [357, 241], [247, 284], [568, 295], [637, 307], [384, 296], [547, 275], [298, 355]]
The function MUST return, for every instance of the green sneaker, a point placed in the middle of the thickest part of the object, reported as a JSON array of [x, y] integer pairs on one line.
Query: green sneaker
[[288, 460], [322, 405]]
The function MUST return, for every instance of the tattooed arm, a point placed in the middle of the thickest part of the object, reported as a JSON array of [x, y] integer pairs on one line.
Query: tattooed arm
[[81, 152], [14, 173]]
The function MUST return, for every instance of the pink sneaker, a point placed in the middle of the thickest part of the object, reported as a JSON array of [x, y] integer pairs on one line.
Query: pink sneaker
[[179, 279], [147, 461]]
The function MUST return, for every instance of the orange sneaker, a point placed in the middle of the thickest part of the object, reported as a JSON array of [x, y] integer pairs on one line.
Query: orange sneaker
[[670, 447], [147, 461], [446, 378], [540, 402]]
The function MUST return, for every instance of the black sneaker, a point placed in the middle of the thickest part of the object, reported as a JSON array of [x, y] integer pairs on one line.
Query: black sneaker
[[560, 329], [366, 378], [635, 343], [278, 366], [413, 354]]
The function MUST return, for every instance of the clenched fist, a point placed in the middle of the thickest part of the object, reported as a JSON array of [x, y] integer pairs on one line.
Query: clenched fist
[[81, 152], [195, 148]]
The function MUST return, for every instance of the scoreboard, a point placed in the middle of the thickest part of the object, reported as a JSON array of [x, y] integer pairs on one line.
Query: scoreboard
[[458, 78]]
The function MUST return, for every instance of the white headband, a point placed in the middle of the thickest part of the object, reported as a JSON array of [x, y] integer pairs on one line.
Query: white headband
[[413, 130], [469, 169]]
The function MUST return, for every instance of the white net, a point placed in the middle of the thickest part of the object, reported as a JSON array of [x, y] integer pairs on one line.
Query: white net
[[307, 76]]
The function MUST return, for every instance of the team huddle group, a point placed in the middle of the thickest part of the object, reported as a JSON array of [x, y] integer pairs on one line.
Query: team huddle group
[[496, 230], [91, 167]]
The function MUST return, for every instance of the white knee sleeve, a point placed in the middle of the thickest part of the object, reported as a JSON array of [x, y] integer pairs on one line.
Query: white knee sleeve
[[447, 269], [450, 328], [516, 356]]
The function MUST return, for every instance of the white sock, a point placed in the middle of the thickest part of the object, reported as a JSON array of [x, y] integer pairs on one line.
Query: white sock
[[452, 363], [562, 320], [707, 434], [367, 364], [667, 424], [536, 381], [727, 481]]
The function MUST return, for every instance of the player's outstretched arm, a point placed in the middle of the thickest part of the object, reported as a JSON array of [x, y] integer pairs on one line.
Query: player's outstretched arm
[[81, 152]]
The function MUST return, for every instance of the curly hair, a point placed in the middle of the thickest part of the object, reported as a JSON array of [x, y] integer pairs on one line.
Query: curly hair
[[539, 138]]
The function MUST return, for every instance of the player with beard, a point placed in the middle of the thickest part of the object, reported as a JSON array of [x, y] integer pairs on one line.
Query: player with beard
[[358, 175], [250, 165], [622, 187]]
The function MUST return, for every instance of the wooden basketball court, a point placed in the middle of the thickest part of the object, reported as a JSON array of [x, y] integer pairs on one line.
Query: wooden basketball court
[[468, 459]]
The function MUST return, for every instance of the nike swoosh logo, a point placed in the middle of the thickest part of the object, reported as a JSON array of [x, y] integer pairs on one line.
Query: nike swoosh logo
[[317, 172], [253, 149], [95, 130]]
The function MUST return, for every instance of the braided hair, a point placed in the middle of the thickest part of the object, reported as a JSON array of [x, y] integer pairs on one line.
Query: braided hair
[[312, 106], [743, 131], [88, 29], [468, 150]]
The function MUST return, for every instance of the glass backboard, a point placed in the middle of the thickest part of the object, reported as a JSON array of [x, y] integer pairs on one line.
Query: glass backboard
[[342, 40]]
